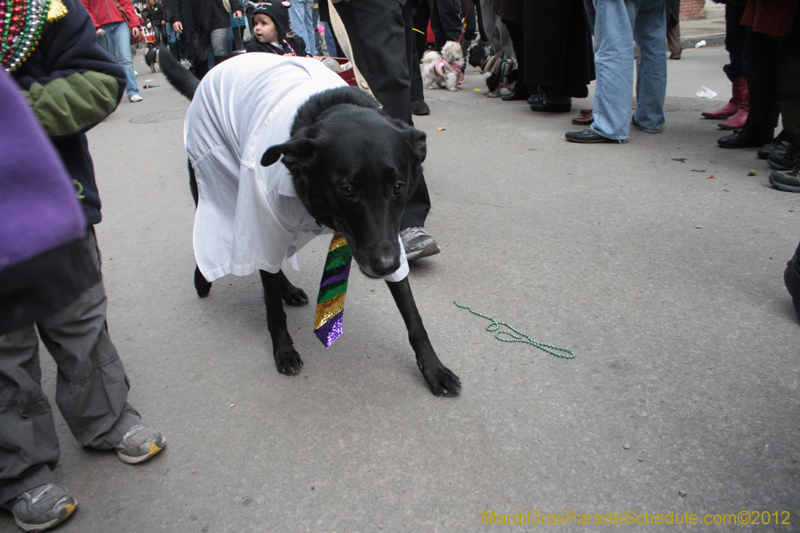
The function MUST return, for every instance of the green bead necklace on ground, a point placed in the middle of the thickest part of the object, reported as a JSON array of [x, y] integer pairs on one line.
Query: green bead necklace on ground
[[519, 337]]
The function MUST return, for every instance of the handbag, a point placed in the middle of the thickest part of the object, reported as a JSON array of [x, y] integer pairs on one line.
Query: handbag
[[134, 40]]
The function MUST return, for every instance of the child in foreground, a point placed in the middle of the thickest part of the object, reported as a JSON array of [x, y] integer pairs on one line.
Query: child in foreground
[[269, 22]]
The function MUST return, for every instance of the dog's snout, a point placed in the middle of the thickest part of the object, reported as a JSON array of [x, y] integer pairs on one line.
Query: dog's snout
[[385, 264]]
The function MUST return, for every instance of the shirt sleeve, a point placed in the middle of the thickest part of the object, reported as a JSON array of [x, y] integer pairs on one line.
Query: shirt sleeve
[[69, 81]]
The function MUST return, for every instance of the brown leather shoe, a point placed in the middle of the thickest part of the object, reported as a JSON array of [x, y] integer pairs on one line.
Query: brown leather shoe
[[584, 120]]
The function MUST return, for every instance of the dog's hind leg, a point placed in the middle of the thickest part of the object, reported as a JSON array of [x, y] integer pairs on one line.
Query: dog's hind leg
[[441, 380], [287, 360], [201, 285], [292, 295]]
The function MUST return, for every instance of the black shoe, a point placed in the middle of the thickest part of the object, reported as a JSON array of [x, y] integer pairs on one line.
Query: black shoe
[[562, 105], [745, 138], [517, 94], [773, 146], [589, 136], [787, 181], [791, 278], [785, 160], [535, 99], [419, 107]]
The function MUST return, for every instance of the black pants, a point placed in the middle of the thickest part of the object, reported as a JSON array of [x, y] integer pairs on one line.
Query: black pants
[[775, 82], [518, 42], [737, 43], [381, 37]]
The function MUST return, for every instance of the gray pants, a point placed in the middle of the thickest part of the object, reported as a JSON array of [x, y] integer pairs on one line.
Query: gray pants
[[91, 390]]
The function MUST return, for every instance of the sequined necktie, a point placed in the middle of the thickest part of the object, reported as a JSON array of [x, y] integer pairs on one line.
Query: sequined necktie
[[332, 290]]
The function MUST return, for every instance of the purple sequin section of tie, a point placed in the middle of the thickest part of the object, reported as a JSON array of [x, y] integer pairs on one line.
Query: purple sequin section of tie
[[330, 330], [339, 276]]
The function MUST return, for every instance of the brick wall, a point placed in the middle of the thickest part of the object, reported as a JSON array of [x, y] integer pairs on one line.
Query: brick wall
[[691, 9]]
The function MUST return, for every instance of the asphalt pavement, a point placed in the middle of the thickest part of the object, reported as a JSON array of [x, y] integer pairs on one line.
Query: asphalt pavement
[[658, 262]]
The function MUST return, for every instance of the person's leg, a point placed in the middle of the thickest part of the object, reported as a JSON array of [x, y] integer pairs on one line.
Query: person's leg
[[200, 52], [303, 23], [219, 45], [121, 35], [788, 74], [91, 387], [650, 31], [449, 24], [674, 40], [27, 431], [330, 42], [521, 91], [589, 7], [613, 94], [737, 42], [376, 30], [763, 84]]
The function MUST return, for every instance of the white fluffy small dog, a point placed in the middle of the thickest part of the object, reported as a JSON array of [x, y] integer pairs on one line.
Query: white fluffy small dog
[[445, 68]]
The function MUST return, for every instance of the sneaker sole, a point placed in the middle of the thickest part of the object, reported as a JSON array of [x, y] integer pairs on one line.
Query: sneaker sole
[[783, 186], [63, 515], [429, 250], [131, 460]]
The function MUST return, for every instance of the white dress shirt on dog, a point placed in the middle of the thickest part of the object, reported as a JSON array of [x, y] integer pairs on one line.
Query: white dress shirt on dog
[[248, 216]]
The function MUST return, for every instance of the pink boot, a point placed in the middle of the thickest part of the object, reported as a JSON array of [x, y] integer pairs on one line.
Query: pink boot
[[735, 103], [737, 121]]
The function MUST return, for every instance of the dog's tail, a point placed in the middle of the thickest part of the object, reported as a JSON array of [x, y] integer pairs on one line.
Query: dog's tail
[[179, 77]]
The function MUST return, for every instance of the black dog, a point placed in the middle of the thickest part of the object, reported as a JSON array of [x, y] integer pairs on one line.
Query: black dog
[[353, 168]]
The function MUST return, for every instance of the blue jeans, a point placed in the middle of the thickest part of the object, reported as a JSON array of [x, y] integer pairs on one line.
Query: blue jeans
[[303, 24], [618, 23], [117, 42], [330, 43]]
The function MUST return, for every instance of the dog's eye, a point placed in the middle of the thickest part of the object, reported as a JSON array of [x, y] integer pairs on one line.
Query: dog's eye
[[348, 192], [398, 187]]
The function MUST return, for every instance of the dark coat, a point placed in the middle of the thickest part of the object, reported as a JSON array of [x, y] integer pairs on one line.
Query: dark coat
[[558, 46], [201, 15], [289, 45], [673, 11]]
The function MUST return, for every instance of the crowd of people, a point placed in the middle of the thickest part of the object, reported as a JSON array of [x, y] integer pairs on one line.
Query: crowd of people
[[50, 277]]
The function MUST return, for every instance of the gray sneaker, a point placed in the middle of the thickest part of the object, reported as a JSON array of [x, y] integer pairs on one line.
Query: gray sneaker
[[418, 243], [139, 444], [41, 507]]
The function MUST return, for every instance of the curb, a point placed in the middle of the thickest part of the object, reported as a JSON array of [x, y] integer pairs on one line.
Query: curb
[[715, 39]]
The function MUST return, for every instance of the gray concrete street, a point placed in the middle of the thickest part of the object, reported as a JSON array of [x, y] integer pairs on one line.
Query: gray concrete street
[[659, 262]]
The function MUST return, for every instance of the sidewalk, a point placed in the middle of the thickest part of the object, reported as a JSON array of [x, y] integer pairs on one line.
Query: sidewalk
[[710, 29]]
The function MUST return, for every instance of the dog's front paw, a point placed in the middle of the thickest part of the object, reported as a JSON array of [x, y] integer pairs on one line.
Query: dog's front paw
[[442, 381], [288, 362], [294, 296], [454, 89]]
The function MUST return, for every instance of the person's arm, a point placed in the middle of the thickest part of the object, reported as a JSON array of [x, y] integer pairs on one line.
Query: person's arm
[[236, 8], [131, 15], [69, 81], [175, 15]]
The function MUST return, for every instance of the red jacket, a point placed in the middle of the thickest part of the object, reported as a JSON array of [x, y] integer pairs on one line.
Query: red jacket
[[106, 12]]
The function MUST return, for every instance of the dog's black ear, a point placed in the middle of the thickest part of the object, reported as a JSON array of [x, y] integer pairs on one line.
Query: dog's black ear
[[417, 139], [292, 150]]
